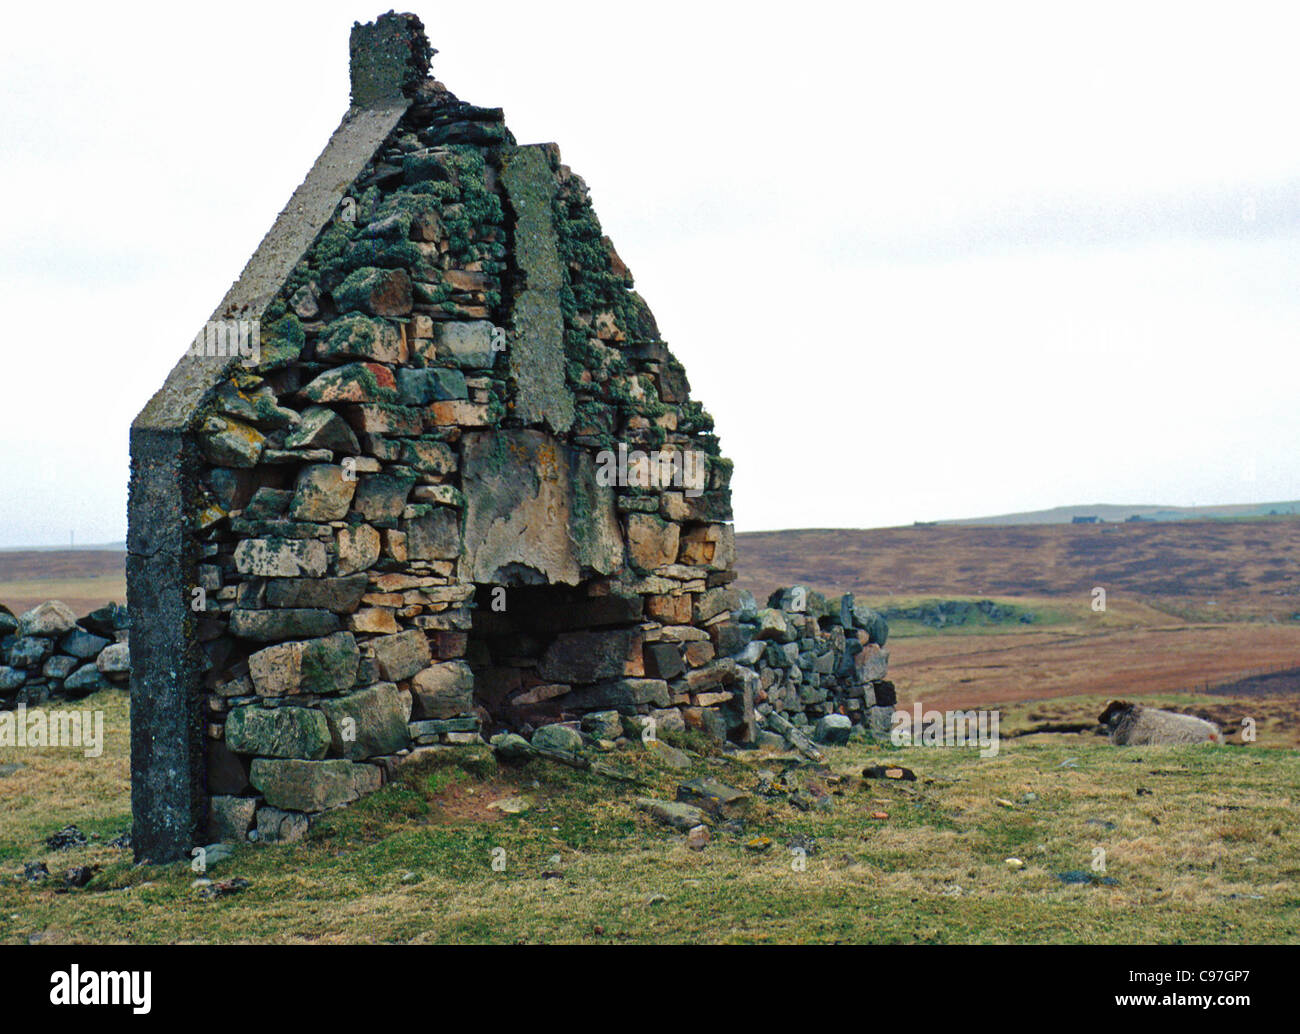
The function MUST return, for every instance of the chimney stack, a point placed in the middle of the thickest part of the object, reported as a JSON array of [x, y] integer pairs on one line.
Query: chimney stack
[[389, 58]]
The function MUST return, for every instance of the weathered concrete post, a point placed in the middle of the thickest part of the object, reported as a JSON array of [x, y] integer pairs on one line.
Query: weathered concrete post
[[389, 58]]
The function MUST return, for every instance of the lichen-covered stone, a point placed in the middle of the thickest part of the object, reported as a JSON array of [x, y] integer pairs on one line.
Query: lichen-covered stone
[[48, 619], [229, 443], [401, 656], [267, 625], [534, 512], [323, 493], [281, 558], [358, 549], [278, 732], [443, 690], [380, 292], [368, 723], [309, 786], [323, 428], [355, 382], [326, 665], [230, 818], [359, 337]]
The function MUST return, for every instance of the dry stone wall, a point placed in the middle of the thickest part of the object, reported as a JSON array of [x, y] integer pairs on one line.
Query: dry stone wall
[[447, 482], [49, 653]]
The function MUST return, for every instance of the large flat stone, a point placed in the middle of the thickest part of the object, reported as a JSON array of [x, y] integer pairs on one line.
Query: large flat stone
[[313, 785], [281, 558], [367, 723], [625, 695], [340, 595], [269, 625], [534, 512], [589, 656], [326, 665], [536, 353], [278, 732]]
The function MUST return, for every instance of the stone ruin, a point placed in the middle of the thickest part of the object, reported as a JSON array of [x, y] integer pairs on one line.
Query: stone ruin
[[430, 474]]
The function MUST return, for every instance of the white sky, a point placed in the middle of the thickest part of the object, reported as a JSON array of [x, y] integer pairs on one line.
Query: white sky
[[921, 261]]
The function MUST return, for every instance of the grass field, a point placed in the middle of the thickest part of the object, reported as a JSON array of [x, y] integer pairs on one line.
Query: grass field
[[1201, 843]]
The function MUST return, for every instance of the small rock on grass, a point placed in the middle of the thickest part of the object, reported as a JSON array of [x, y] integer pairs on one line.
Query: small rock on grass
[[758, 844], [802, 842], [697, 839], [511, 805], [79, 875], [66, 839], [1083, 876], [889, 772], [672, 813], [222, 888]]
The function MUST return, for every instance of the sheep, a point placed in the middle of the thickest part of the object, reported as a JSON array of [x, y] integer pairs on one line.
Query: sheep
[[1135, 725]]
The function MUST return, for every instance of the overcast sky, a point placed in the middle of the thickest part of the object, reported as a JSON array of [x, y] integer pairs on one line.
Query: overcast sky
[[920, 261]]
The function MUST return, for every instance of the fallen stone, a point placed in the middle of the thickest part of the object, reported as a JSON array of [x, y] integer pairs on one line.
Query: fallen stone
[[833, 729], [66, 838], [889, 772], [673, 813], [557, 737], [719, 799]]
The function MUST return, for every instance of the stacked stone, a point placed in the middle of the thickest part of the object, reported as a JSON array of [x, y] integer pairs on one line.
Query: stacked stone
[[48, 653], [820, 662], [463, 306], [407, 530]]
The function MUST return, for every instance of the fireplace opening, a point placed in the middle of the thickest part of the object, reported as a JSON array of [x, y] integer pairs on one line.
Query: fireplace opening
[[550, 653]]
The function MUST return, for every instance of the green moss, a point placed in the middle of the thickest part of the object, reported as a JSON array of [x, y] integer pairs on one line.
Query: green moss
[[282, 343]]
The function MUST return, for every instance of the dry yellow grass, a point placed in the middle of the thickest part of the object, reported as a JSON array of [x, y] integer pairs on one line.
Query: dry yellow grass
[[1207, 853]]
